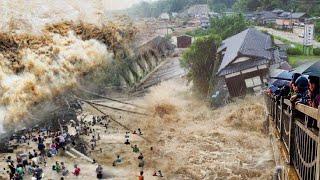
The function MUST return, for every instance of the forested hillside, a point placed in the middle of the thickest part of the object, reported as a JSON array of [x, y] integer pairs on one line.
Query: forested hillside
[[310, 6], [154, 9]]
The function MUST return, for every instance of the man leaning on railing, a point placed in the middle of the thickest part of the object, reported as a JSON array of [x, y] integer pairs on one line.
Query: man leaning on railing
[[299, 90]]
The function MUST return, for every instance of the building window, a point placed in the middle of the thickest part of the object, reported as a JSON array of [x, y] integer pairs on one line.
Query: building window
[[252, 82]]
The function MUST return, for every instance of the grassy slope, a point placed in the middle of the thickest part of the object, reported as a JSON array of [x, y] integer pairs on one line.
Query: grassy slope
[[300, 59]]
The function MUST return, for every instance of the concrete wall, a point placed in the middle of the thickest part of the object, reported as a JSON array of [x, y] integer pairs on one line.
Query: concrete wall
[[149, 56]]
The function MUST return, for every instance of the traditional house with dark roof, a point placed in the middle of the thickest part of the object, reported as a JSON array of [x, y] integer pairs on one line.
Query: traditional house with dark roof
[[245, 61], [287, 19], [265, 17], [277, 11]]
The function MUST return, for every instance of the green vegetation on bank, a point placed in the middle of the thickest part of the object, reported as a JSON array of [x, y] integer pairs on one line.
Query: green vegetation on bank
[[199, 59], [296, 53], [286, 41], [317, 30], [295, 61]]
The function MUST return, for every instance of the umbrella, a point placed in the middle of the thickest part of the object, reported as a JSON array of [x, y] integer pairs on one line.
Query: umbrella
[[280, 77], [310, 68], [281, 74], [280, 82]]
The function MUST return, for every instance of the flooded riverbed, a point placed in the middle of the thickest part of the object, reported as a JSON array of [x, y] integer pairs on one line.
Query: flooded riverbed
[[192, 141]]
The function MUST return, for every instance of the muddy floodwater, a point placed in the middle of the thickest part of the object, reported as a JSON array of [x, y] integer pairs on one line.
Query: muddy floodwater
[[192, 141], [189, 139]]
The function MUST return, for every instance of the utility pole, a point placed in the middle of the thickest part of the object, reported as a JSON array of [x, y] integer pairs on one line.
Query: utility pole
[[167, 28], [291, 20]]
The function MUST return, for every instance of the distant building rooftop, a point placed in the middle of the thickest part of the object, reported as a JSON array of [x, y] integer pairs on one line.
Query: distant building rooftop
[[278, 11], [263, 15], [295, 15]]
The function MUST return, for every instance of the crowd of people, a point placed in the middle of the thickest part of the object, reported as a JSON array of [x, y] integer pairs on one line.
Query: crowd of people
[[48, 144], [299, 90]]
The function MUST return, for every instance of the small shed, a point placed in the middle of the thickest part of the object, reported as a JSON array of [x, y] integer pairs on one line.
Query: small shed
[[184, 41]]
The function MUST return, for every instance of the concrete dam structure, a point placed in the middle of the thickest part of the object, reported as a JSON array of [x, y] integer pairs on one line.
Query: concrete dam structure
[[149, 56]]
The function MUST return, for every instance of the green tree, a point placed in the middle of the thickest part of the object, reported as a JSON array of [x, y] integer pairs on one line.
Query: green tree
[[220, 5], [200, 60], [227, 26], [176, 5]]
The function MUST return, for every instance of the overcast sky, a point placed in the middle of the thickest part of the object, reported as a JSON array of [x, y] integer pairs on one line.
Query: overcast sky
[[121, 4]]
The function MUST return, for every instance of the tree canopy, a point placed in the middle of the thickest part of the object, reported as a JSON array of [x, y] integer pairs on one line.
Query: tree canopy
[[199, 59], [227, 26]]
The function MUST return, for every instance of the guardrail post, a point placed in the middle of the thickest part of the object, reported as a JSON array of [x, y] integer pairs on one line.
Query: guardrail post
[[281, 116], [318, 149], [270, 106], [291, 133], [274, 105]]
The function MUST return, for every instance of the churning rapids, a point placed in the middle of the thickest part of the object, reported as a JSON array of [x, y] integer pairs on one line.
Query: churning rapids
[[190, 140], [196, 142], [44, 51]]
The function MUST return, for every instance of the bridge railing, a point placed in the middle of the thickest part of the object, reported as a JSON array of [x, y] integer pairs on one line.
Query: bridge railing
[[297, 126]]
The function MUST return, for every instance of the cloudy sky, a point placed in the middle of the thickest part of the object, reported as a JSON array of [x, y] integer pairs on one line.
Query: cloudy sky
[[121, 4]]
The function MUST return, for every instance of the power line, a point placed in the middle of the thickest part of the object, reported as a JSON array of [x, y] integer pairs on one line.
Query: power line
[[113, 108], [111, 99], [124, 126]]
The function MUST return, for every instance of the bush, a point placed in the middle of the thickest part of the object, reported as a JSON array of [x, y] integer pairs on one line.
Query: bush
[[269, 25], [316, 51], [294, 51], [198, 32]]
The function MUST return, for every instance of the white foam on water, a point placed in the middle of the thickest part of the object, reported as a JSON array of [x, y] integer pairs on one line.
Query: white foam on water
[[32, 16], [3, 112]]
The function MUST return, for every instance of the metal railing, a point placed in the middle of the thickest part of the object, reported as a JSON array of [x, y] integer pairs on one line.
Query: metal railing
[[297, 126]]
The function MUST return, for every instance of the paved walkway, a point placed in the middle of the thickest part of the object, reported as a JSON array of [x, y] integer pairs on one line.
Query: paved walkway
[[286, 35]]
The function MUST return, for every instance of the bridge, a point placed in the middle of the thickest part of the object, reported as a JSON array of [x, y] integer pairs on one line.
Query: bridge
[[296, 128]]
